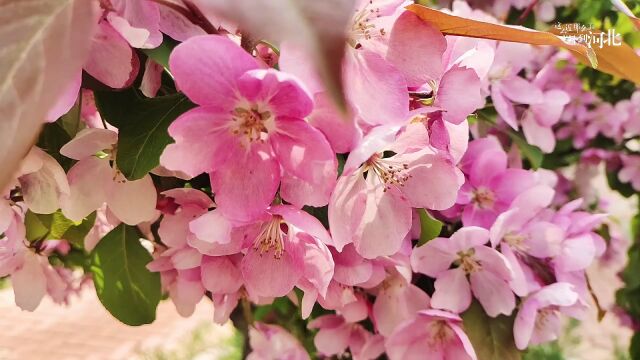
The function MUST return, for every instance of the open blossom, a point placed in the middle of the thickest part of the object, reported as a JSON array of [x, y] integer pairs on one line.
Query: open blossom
[[431, 334], [487, 270], [271, 342], [42, 182], [371, 206], [538, 319], [288, 248], [248, 131], [491, 187], [93, 181]]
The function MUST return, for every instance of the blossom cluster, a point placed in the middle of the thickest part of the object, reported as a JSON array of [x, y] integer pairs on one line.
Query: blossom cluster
[[328, 206]]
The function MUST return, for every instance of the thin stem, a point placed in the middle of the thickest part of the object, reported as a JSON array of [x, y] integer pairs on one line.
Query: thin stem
[[527, 11]]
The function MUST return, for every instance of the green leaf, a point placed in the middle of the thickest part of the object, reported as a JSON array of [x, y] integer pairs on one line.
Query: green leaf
[[492, 338], [56, 226], [625, 189], [429, 227], [142, 125], [531, 152], [125, 287], [161, 53]]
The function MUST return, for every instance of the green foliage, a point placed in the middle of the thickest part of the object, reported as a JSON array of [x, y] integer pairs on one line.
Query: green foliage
[[492, 338], [142, 125], [56, 226], [429, 227], [55, 135], [125, 287]]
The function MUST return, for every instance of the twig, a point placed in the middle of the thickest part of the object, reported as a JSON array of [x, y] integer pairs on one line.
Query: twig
[[527, 11]]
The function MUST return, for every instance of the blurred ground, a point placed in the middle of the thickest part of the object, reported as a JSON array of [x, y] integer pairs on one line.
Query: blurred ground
[[85, 330]]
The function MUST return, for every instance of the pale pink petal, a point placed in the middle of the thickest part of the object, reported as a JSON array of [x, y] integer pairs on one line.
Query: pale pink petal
[[43, 189], [186, 258], [138, 22], [469, 237], [174, 229], [432, 185], [340, 129], [397, 303], [559, 294], [303, 151], [385, 222], [452, 291], [203, 142], [111, 60], [494, 293], [152, 78], [268, 276], [206, 68], [346, 209], [416, 49], [432, 259], [284, 94], [299, 192], [375, 88], [89, 181], [66, 99], [459, 94], [521, 91], [519, 283], [577, 254], [538, 135], [212, 227], [186, 294], [493, 261], [503, 106], [303, 221], [318, 263], [133, 202], [29, 283], [88, 142], [220, 275], [175, 25], [247, 184], [332, 341], [524, 324], [548, 113]]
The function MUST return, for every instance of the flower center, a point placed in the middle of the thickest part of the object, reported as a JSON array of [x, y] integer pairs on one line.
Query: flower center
[[250, 123], [468, 263], [516, 241], [362, 27], [545, 315], [440, 332], [391, 173], [484, 197], [271, 237]]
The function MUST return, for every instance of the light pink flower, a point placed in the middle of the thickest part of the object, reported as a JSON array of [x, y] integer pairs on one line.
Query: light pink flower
[[271, 342], [488, 271], [538, 320], [42, 182], [397, 300], [374, 213], [93, 181], [431, 334], [490, 187], [248, 129], [630, 172], [287, 248]]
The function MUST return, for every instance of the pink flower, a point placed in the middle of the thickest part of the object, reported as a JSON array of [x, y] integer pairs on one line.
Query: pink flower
[[271, 342], [491, 187], [431, 334], [538, 320], [42, 182], [335, 335], [488, 271], [371, 206], [247, 131], [417, 49], [288, 247], [538, 120], [93, 181], [396, 301]]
